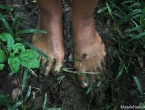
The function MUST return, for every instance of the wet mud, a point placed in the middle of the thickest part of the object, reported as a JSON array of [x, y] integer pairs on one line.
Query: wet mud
[[64, 91]]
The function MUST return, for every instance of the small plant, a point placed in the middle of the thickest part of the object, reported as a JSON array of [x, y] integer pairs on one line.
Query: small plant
[[17, 54], [11, 48]]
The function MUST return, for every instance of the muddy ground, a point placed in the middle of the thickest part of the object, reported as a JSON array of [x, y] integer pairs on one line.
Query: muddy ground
[[67, 93]]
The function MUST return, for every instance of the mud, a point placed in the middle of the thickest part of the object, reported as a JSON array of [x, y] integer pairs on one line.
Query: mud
[[64, 91]]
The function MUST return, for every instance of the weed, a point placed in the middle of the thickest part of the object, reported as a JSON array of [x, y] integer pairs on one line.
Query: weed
[[129, 17], [129, 42], [14, 51]]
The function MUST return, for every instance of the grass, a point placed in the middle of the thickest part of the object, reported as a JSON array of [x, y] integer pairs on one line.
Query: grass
[[129, 18], [129, 42], [13, 49]]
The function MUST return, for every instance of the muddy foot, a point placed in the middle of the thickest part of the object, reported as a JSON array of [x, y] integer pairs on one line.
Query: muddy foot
[[89, 52], [50, 44]]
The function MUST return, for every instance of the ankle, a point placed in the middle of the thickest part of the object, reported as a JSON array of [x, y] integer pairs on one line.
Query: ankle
[[82, 21], [49, 16], [82, 24]]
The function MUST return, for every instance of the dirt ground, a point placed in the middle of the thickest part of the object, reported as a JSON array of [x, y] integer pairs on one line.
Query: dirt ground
[[67, 93]]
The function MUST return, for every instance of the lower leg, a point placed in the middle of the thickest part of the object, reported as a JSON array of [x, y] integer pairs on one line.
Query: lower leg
[[51, 43], [88, 46]]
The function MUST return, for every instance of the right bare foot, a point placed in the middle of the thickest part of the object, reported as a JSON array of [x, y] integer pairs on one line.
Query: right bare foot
[[51, 43], [89, 51]]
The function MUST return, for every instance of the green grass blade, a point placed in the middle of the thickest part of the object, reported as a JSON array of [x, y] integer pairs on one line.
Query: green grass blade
[[45, 100], [121, 68], [134, 5], [4, 100], [141, 35], [6, 25], [15, 23], [110, 11], [33, 48], [52, 109], [138, 85], [137, 28], [26, 31], [89, 89], [142, 18], [6, 7], [9, 106], [127, 1], [24, 79], [28, 94], [17, 104], [102, 9], [128, 16]]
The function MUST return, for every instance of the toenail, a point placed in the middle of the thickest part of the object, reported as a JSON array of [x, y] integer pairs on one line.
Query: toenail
[[84, 84]]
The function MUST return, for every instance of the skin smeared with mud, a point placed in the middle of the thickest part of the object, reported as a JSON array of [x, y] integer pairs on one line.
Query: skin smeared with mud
[[88, 46], [51, 43], [89, 49]]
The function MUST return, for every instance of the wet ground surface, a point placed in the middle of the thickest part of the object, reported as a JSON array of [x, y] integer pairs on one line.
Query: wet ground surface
[[64, 90]]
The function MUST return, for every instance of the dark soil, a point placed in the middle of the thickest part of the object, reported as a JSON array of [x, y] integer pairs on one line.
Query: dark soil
[[67, 93]]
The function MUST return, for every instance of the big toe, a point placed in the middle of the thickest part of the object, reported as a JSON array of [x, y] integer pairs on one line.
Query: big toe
[[83, 81]]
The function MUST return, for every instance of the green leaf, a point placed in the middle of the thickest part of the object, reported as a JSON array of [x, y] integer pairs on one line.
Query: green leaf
[[33, 48], [28, 54], [29, 59], [3, 56], [31, 52], [138, 85], [14, 63], [32, 63], [9, 39], [31, 31], [18, 48], [1, 66]]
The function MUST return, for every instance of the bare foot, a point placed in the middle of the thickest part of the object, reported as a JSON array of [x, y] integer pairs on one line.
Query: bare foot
[[89, 50], [50, 44]]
